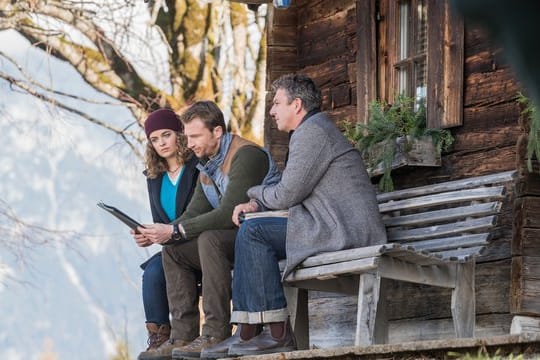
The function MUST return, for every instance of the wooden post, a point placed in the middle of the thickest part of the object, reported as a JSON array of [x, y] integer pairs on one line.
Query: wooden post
[[297, 304], [463, 300], [368, 298]]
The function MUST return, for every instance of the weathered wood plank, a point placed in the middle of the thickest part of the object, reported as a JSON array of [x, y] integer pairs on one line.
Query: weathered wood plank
[[282, 58], [329, 73], [395, 269], [366, 58], [478, 194], [527, 211], [408, 300], [284, 35], [482, 161], [436, 231], [462, 254], [448, 243], [297, 304], [461, 184], [528, 184], [490, 88], [345, 113], [446, 215], [480, 139], [525, 324], [346, 255], [463, 301], [525, 299], [313, 11], [419, 329], [526, 241], [340, 96], [368, 298], [329, 271]]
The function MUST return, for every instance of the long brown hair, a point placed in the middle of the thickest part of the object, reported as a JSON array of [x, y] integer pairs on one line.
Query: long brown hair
[[156, 165]]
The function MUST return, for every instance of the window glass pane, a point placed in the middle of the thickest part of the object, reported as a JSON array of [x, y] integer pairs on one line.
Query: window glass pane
[[404, 12], [421, 28], [420, 81], [403, 76]]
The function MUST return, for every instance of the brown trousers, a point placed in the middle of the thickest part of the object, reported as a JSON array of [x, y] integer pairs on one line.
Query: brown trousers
[[212, 253]]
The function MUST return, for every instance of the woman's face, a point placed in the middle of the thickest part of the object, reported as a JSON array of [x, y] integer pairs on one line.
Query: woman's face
[[164, 142]]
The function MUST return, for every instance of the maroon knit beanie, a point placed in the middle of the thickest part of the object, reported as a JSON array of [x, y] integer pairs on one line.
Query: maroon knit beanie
[[162, 119]]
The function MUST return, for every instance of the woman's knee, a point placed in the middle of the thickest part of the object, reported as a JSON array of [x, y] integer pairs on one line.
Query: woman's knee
[[154, 271]]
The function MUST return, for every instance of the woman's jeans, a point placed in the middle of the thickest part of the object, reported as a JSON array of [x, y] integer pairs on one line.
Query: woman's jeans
[[257, 289], [154, 291]]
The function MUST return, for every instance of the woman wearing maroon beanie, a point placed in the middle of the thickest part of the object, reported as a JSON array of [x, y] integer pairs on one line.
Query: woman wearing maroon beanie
[[171, 177]]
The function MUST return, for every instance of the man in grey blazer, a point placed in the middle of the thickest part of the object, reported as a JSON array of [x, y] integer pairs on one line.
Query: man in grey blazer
[[332, 206]]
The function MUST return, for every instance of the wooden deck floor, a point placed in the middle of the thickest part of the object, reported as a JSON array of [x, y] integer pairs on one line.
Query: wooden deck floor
[[526, 344]]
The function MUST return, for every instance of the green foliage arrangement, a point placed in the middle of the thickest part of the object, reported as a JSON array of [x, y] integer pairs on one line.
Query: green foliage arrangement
[[533, 146], [386, 124]]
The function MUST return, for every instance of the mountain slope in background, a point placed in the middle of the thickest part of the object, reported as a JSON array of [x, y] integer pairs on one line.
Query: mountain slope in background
[[74, 299]]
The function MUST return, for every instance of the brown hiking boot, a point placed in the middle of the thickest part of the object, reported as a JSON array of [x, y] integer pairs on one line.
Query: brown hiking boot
[[157, 335], [163, 352], [194, 348]]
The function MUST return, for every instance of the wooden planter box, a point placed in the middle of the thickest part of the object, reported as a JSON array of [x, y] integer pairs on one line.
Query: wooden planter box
[[409, 152]]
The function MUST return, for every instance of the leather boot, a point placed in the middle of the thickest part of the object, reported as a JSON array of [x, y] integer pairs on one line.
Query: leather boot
[[157, 335], [244, 332], [194, 348], [163, 352], [265, 343]]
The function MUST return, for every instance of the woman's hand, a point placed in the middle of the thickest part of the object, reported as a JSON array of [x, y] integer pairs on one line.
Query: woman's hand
[[140, 239], [244, 208], [156, 233]]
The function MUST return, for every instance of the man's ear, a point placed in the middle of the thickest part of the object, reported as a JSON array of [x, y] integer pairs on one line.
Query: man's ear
[[298, 105], [218, 132]]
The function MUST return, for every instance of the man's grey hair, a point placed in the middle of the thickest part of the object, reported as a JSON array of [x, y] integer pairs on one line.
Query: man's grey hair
[[299, 86]]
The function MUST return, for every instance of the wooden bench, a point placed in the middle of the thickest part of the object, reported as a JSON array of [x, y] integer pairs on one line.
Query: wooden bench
[[435, 232]]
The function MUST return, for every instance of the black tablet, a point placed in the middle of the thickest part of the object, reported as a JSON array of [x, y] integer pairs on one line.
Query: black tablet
[[123, 217]]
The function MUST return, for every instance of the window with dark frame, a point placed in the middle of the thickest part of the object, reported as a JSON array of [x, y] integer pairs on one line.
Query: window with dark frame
[[411, 47]]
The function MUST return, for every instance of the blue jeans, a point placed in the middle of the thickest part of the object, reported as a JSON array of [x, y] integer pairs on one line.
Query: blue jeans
[[257, 290], [154, 291]]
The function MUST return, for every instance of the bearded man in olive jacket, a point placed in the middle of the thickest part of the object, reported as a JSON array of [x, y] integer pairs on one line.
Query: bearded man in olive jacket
[[332, 206]]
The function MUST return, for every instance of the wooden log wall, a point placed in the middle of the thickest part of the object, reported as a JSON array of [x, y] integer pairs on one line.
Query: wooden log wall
[[320, 43], [525, 285], [318, 38]]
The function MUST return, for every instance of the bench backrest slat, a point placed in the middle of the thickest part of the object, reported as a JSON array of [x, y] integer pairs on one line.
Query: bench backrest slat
[[437, 231], [452, 197], [449, 243], [446, 215], [461, 184]]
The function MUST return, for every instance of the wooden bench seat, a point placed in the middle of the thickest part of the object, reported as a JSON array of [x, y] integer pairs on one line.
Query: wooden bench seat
[[435, 232]]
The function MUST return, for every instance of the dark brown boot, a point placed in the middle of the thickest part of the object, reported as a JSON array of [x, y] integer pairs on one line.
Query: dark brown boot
[[266, 343], [244, 332]]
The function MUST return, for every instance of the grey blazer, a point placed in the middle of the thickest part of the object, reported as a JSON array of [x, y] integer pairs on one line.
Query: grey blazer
[[331, 201]]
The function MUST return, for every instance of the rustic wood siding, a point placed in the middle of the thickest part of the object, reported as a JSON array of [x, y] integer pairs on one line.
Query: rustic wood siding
[[326, 49], [525, 285], [282, 58]]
